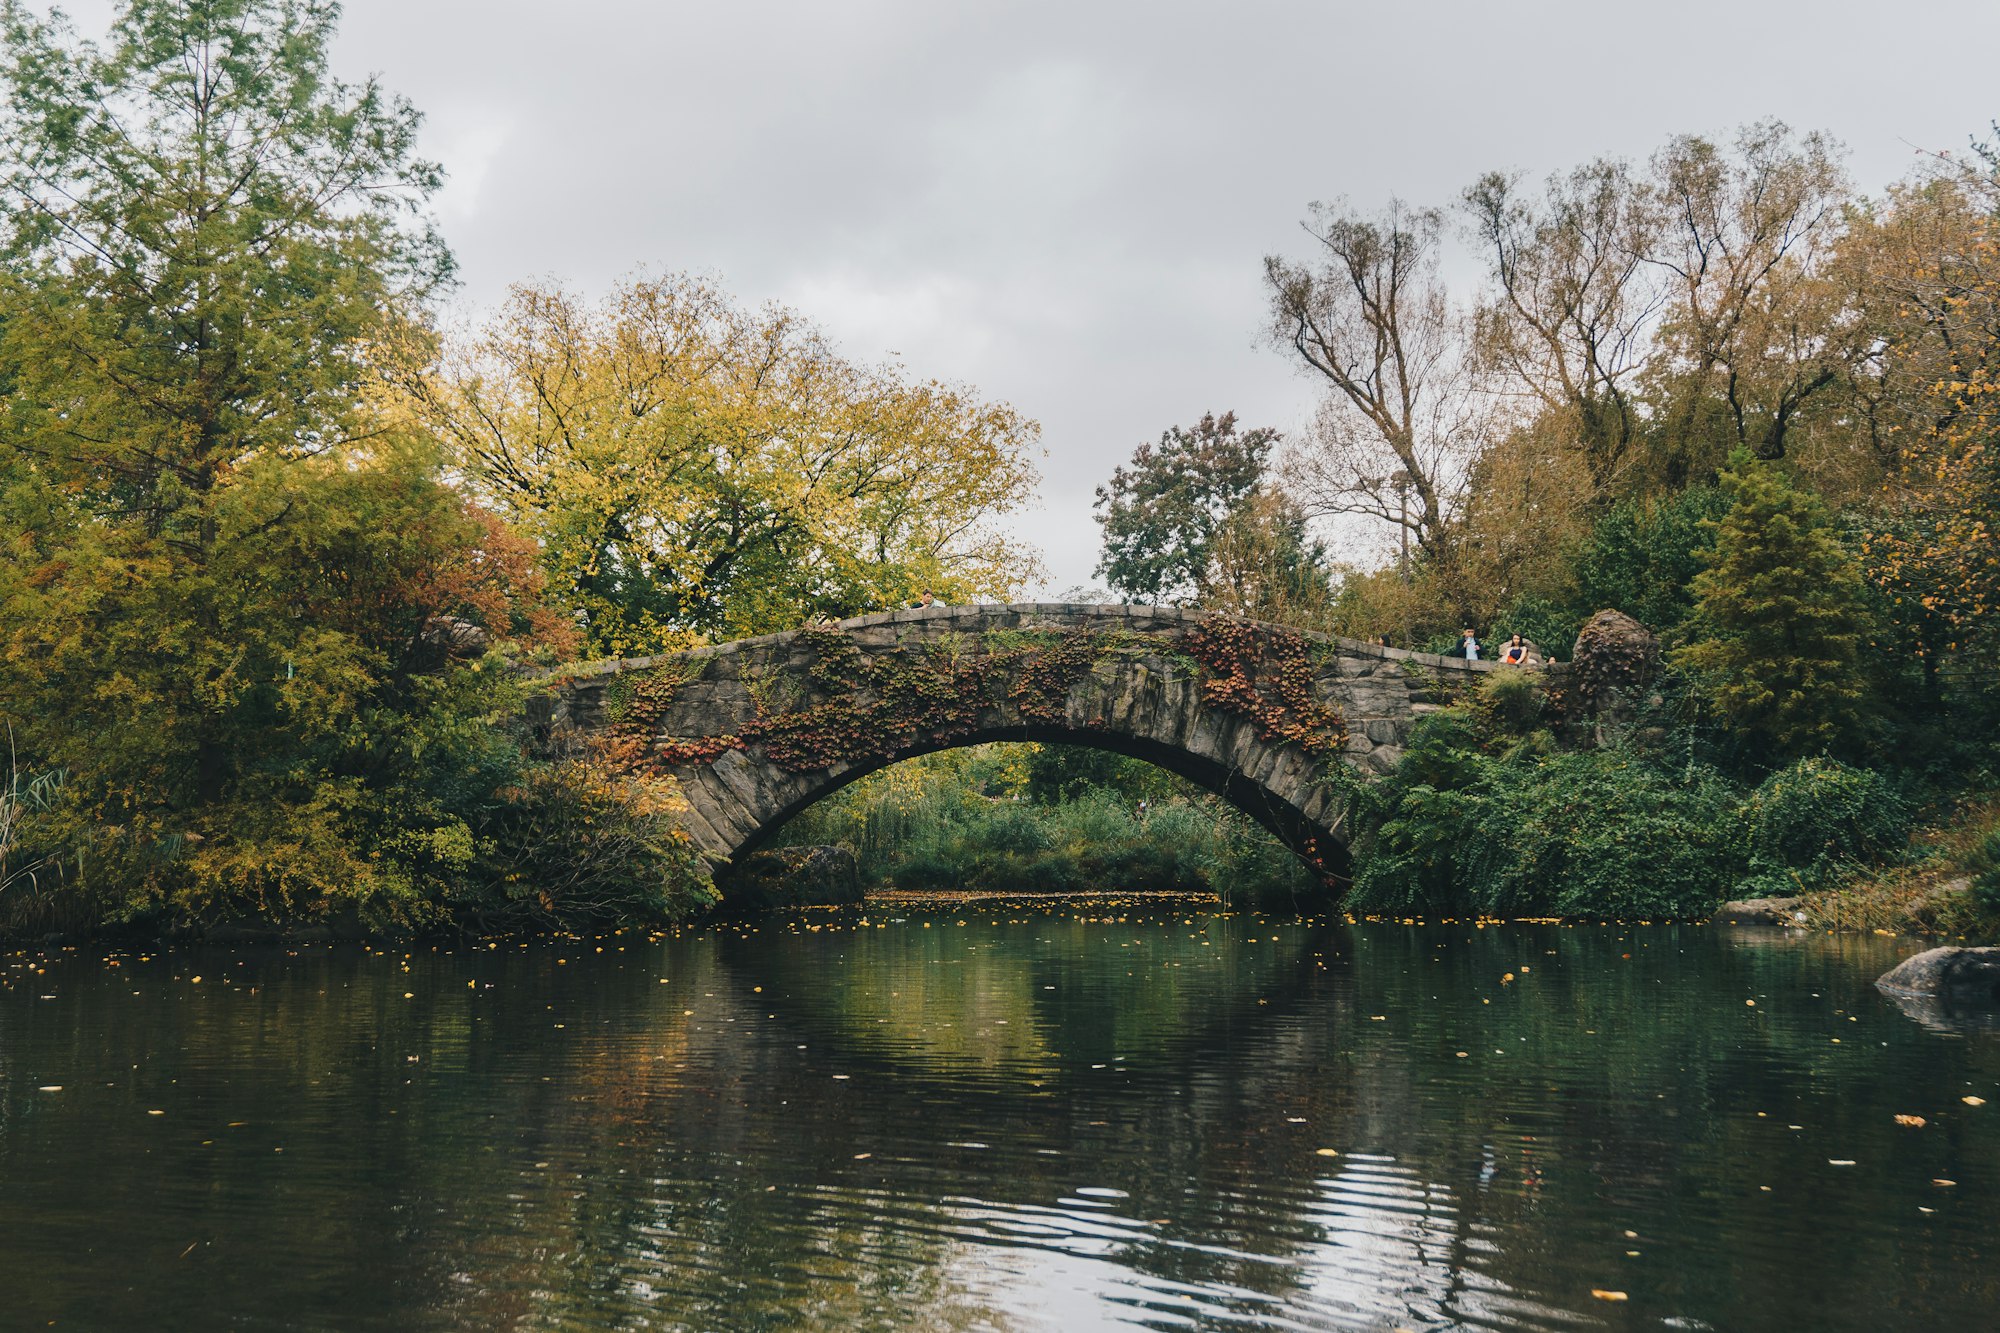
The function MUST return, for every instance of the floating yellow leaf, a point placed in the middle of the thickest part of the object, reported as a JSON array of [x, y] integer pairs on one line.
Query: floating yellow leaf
[[1604, 1295], [1913, 1121]]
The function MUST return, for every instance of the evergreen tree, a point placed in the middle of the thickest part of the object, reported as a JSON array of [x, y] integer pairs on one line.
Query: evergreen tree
[[1780, 618]]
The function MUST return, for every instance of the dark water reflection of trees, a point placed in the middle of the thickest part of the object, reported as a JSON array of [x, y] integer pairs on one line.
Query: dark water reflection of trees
[[1024, 1120]]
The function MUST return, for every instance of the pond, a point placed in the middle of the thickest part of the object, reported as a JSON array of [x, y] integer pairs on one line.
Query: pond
[[1058, 1114]]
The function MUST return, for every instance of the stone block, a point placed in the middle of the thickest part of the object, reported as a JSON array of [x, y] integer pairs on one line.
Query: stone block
[[1383, 759]]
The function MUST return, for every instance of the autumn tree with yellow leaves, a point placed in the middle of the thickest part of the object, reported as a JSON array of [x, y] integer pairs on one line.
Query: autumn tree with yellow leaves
[[697, 470]]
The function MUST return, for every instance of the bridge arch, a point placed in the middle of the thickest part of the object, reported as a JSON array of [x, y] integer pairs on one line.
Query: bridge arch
[[757, 730]]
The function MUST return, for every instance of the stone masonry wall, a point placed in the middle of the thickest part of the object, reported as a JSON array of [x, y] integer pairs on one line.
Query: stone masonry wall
[[758, 729]]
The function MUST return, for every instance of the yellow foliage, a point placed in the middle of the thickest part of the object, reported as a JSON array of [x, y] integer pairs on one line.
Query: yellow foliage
[[692, 468]]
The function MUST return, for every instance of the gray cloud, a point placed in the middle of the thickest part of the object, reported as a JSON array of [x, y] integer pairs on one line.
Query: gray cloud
[[1067, 204]]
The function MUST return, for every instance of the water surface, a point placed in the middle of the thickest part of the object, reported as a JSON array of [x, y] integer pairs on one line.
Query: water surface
[[1116, 1113]]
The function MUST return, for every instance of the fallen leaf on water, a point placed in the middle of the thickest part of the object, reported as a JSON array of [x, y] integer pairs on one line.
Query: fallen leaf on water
[[863, 1156], [1913, 1121], [1604, 1295], [1840, 1161], [1973, 1101], [50, 1087], [1327, 1152], [1946, 1183]]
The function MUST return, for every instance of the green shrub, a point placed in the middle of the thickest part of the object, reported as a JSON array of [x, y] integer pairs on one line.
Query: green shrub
[[1806, 822], [1597, 833], [1985, 867], [578, 845], [928, 824], [1512, 700], [1642, 559], [1605, 833]]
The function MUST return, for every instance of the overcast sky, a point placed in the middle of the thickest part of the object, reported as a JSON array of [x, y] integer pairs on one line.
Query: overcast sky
[[1067, 204]]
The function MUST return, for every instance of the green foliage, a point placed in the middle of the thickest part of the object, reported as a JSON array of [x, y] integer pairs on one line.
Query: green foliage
[[1598, 833], [1985, 867], [1781, 617], [1058, 773], [1514, 700], [1549, 623], [1474, 820], [1805, 823], [580, 846], [1161, 516], [957, 820], [1643, 558], [240, 609]]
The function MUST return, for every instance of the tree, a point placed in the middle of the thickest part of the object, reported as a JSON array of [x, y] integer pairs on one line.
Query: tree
[[1369, 317], [1781, 617], [1266, 565], [1758, 326], [695, 469], [1934, 542], [1569, 318], [1161, 513], [238, 608]]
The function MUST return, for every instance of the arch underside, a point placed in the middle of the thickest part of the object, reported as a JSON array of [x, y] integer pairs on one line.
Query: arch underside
[[1316, 837]]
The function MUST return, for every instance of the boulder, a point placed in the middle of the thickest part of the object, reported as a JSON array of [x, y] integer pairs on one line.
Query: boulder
[[459, 638], [1603, 682], [790, 877], [1956, 978], [1615, 656], [1760, 912]]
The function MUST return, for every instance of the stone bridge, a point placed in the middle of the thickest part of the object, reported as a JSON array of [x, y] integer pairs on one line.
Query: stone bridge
[[757, 730]]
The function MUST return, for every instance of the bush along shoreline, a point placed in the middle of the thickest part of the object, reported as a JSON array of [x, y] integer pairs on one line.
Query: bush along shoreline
[[1491, 814]]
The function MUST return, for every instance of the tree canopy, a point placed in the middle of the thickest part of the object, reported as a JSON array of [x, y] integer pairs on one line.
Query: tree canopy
[[694, 469]]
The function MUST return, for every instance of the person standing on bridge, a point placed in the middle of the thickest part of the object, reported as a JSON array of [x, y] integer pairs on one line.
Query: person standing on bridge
[[1469, 648]]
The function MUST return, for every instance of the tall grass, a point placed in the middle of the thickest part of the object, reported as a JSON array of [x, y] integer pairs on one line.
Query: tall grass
[[954, 825], [29, 877]]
